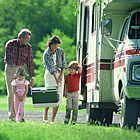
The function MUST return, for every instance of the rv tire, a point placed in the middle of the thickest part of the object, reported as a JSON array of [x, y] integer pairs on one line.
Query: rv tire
[[129, 112]]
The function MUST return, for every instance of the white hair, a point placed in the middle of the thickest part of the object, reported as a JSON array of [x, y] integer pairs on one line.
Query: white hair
[[23, 32]]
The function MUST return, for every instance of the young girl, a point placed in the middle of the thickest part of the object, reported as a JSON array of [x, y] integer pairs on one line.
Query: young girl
[[20, 89]]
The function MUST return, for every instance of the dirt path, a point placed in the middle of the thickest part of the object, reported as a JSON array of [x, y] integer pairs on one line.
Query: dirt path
[[37, 117]]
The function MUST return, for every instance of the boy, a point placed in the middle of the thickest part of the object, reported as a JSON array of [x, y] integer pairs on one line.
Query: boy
[[72, 91]]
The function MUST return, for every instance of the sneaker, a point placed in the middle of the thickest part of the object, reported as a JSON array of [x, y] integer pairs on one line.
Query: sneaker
[[23, 120], [12, 120], [66, 121], [73, 122]]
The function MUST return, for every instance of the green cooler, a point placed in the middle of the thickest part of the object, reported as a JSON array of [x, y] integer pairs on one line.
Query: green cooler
[[45, 97]]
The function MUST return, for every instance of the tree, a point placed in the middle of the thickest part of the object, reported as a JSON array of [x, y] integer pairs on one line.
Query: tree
[[67, 46], [41, 17]]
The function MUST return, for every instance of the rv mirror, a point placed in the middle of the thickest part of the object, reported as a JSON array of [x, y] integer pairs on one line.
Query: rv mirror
[[106, 27]]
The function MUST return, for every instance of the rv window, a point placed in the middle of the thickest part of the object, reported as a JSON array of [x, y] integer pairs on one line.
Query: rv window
[[124, 29], [86, 24], [107, 26], [93, 18], [134, 29]]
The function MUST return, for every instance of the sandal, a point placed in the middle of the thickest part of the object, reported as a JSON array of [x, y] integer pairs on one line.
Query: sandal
[[45, 121]]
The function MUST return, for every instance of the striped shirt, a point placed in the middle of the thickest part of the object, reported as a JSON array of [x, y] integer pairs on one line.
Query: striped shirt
[[49, 63], [19, 55], [20, 84]]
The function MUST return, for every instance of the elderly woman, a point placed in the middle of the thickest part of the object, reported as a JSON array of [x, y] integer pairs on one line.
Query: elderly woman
[[55, 64]]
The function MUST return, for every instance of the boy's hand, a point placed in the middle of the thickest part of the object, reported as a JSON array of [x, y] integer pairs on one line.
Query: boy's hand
[[80, 69]]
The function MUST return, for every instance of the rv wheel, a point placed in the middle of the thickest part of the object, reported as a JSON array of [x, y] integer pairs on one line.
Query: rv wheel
[[107, 116], [128, 111]]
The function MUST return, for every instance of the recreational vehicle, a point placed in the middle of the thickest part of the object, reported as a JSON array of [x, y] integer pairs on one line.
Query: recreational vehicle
[[108, 48]]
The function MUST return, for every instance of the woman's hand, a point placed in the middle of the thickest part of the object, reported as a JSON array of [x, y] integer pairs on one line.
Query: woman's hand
[[58, 82], [60, 77]]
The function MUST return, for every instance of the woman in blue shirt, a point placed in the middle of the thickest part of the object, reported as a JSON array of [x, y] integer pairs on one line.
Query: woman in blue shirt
[[55, 64]]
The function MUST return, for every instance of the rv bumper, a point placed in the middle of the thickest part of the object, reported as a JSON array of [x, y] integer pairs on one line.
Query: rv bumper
[[133, 91]]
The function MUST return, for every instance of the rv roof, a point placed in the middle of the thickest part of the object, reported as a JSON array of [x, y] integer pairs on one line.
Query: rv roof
[[122, 6]]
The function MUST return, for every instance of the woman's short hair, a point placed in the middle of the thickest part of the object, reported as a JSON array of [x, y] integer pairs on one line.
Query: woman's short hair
[[54, 40], [23, 32], [20, 72], [74, 65]]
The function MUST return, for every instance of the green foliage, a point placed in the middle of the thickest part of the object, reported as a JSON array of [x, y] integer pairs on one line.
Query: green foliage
[[75, 9], [2, 82], [41, 17], [67, 46]]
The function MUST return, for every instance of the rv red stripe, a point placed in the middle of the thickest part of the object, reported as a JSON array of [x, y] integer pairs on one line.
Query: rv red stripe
[[90, 65], [90, 78], [133, 51], [118, 64], [103, 66], [127, 52], [90, 70], [105, 60]]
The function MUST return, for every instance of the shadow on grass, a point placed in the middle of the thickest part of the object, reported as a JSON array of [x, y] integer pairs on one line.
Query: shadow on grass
[[116, 125], [3, 137]]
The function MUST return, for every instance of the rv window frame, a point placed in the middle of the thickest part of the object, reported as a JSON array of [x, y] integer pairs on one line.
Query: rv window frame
[[124, 30]]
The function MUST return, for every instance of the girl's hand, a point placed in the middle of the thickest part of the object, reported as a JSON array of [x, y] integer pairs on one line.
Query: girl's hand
[[19, 98], [22, 98]]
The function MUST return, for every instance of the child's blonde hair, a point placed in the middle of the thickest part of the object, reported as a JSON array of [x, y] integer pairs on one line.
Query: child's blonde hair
[[74, 65], [20, 72]]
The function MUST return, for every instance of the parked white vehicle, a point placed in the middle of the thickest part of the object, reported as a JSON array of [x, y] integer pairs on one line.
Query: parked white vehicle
[[108, 48]]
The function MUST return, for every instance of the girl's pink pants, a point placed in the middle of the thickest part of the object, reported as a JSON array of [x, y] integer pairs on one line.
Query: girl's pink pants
[[19, 106]]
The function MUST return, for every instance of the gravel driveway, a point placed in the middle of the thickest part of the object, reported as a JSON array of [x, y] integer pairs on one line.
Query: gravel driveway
[[37, 117]]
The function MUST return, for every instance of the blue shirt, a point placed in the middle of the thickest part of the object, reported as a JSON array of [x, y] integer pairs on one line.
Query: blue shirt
[[49, 62]]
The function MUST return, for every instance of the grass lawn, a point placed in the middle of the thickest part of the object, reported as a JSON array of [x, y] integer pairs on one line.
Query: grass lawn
[[60, 131], [43, 131], [29, 105]]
